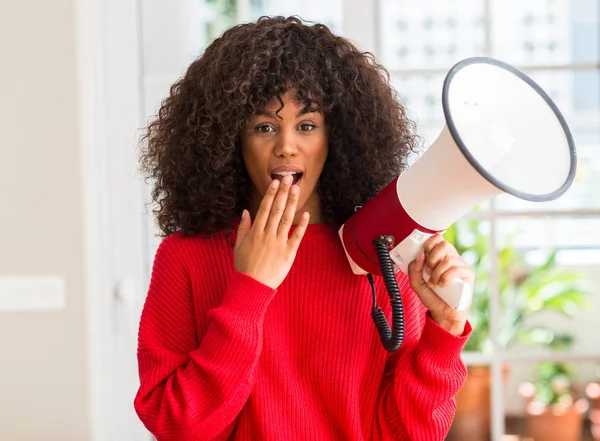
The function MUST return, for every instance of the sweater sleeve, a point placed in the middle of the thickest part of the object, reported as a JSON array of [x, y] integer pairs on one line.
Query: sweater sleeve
[[191, 389], [420, 381]]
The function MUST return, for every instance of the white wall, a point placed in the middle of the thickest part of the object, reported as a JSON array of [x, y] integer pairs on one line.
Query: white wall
[[43, 370]]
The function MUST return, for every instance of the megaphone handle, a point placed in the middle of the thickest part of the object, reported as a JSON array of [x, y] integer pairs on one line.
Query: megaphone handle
[[457, 293]]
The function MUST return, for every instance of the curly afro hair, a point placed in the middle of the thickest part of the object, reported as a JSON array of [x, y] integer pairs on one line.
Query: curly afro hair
[[191, 149]]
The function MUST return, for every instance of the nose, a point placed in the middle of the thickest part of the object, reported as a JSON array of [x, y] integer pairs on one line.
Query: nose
[[286, 145]]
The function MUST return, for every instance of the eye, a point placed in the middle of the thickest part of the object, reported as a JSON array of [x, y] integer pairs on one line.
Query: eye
[[264, 128], [307, 127]]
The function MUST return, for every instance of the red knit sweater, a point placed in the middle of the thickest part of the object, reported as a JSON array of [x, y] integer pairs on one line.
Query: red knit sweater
[[222, 356]]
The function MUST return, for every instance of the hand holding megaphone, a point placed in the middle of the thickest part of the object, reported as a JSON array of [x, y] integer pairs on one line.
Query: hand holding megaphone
[[457, 293], [500, 128]]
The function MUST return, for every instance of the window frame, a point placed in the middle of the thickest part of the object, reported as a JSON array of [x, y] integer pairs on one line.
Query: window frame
[[498, 357], [360, 23]]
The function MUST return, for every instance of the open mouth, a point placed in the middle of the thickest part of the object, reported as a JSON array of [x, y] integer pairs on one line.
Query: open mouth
[[295, 175]]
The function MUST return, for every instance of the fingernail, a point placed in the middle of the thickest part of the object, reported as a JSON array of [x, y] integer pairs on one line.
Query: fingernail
[[275, 183], [243, 214], [287, 179], [294, 189], [428, 270]]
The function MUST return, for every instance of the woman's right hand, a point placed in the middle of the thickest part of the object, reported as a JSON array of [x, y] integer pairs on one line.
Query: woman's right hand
[[263, 250]]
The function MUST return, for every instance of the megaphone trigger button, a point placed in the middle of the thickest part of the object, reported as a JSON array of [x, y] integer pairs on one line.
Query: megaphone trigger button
[[398, 259], [418, 236]]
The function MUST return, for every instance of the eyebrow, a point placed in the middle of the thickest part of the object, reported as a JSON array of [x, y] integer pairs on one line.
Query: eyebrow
[[301, 112]]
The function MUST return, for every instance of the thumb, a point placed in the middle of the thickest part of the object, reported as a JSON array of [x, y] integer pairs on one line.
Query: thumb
[[243, 228], [418, 283], [415, 272]]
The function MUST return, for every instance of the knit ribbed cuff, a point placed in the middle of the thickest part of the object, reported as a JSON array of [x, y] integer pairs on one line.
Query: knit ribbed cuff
[[442, 347], [247, 297]]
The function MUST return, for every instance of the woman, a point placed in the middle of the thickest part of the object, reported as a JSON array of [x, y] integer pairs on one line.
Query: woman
[[255, 327]]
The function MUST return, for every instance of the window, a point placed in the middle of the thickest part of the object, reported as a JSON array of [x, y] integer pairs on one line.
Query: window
[[556, 42]]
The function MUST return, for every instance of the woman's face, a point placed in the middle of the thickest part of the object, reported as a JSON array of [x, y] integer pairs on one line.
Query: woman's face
[[294, 140]]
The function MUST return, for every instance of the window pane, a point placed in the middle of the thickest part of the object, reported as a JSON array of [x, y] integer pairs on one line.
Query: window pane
[[328, 13], [531, 233], [421, 95], [173, 35], [429, 33], [549, 284], [545, 31]]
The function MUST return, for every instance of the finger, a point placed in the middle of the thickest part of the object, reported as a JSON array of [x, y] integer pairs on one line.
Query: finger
[[444, 265], [432, 242], [415, 271], [243, 228], [279, 204], [437, 240], [264, 209], [439, 251], [298, 234], [289, 213], [430, 299], [457, 272]]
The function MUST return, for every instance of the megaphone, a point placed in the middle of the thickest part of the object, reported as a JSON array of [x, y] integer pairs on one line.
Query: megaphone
[[503, 134]]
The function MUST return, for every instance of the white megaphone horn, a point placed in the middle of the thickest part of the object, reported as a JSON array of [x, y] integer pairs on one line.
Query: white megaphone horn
[[503, 134]]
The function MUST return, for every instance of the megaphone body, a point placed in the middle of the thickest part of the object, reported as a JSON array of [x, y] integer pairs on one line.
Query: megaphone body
[[503, 134]]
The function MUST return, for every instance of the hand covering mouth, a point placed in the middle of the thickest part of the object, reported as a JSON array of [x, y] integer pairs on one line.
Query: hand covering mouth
[[295, 175]]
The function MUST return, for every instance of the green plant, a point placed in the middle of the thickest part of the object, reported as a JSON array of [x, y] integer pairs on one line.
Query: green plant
[[553, 384], [553, 391], [472, 244], [525, 291]]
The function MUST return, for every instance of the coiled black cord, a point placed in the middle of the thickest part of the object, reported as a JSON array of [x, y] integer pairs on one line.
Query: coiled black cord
[[391, 338]]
